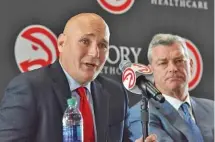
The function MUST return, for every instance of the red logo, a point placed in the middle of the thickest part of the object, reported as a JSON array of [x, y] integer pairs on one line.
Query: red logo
[[129, 78], [35, 47], [116, 6], [142, 68], [197, 64]]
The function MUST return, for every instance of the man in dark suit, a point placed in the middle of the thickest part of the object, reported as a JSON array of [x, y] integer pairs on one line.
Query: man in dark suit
[[34, 102], [181, 118]]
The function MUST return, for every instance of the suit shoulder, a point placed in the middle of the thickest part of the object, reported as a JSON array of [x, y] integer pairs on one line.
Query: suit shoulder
[[205, 102], [37, 75]]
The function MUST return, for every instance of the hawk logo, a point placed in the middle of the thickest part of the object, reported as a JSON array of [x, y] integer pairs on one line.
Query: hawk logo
[[35, 47], [129, 78], [116, 6], [197, 64], [142, 68]]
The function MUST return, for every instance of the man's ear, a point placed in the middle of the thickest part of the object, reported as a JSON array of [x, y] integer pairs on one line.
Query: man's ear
[[61, 42], [150, 67]]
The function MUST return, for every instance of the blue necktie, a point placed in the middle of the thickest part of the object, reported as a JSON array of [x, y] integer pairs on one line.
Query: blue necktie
[[195, 129]]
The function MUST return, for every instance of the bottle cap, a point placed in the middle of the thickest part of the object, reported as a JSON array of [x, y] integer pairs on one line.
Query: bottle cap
[[72, 101]]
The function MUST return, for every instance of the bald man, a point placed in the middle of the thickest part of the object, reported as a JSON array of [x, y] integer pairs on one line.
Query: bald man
[[34, 102]]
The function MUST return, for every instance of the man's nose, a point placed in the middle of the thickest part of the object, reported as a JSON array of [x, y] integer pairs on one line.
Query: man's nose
[[94, 50], [172, 67]]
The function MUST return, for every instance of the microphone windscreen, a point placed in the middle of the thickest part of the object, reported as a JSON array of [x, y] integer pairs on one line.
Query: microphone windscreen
[[124, 64]]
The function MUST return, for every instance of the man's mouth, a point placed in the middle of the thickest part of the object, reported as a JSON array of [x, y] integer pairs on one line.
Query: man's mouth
[[91, 65], [173, 78]]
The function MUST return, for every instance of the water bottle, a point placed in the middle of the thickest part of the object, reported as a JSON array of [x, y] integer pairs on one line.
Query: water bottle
[[72, 122]]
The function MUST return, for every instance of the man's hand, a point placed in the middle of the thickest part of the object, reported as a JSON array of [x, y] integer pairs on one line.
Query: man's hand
[[150, 138]]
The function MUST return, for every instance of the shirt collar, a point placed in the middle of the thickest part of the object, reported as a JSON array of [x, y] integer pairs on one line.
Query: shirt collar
[[73, 84], [175, 102]]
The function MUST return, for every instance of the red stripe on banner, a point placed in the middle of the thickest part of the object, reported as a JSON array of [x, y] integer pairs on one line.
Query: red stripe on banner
[[117, 8], [198, 69]]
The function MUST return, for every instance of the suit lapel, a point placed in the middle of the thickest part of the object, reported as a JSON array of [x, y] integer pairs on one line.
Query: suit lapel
[[101, 109], [197, 108], [174, 118], [200, 115], [60, 85], [99, 95]]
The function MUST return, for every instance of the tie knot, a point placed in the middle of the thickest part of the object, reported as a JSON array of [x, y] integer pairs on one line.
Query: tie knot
[[81, 92], [185, 106]]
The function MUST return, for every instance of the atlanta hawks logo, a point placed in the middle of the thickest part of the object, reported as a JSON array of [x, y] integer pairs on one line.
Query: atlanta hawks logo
[[197, 64], [129, 78], [116, 6], [35, 46], [141, 68]]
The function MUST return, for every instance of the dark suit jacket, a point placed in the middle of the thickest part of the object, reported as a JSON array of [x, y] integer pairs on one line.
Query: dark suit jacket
[[169, 126], [34, 102]]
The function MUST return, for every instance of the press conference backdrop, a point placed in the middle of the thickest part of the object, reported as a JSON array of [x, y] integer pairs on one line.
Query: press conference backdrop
[[29, 30]]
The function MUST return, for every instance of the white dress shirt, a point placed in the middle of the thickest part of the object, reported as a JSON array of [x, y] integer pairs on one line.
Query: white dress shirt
[[73, 85], [177, 103]]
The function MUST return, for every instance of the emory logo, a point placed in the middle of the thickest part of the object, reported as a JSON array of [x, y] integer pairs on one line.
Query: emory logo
[[197, 64], [116, 6], [35, 47]]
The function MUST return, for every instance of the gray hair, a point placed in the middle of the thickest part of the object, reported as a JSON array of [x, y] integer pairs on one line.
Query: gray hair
[[166, 39]]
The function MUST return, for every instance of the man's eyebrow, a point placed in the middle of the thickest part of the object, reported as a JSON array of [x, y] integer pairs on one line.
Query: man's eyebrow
[[179, 57], [161, 59], [165, 59], [93, 35]]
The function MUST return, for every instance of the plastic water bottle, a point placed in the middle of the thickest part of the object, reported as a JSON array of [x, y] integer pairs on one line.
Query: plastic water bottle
[[72, 122]]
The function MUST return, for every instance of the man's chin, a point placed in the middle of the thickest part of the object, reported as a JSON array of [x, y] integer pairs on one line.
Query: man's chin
[[89, 77], [175, 86]]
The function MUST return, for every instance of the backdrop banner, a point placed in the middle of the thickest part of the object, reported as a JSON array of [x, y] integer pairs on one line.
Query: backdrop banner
[[29, 31]]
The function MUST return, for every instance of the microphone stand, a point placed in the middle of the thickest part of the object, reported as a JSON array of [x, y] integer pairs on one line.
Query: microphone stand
[[144, 112]]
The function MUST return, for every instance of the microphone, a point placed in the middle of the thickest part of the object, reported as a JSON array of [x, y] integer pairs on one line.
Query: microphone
[[135, 78]]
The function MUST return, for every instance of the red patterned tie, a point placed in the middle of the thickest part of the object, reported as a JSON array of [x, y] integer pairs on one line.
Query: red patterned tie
[[84, 106]]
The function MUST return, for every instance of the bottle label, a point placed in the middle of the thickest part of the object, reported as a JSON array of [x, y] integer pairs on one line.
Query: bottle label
[[72, 134]]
